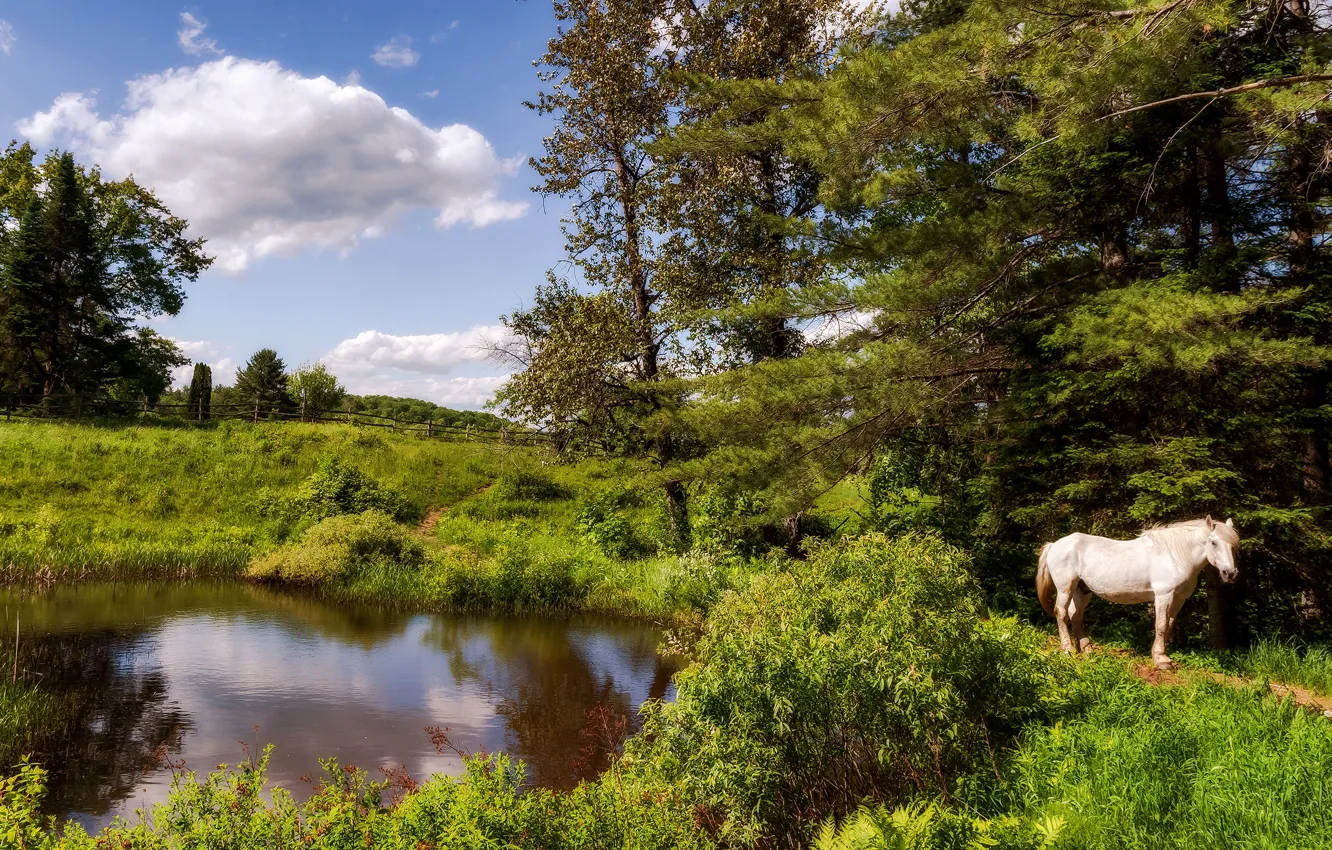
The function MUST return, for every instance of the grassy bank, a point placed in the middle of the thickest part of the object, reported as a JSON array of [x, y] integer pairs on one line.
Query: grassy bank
[[859, 701], [503, 528]]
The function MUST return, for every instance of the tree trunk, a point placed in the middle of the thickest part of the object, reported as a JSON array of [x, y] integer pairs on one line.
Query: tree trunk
[[1216, 610], [794, 534], [1192, 210]]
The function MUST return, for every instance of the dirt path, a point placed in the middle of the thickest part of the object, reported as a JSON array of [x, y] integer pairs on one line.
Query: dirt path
[[1303, 697], [427, 526], [433, 516]]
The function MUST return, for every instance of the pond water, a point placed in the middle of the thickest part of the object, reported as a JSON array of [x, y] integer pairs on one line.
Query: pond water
[[196, 673]]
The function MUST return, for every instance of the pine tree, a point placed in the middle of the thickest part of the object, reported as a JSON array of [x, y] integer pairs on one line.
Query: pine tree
[[81, 259], [1087, 249], [200, 400], [263, 382]]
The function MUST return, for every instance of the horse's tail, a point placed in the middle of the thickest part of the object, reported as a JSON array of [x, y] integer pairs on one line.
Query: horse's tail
[[1045, 587]]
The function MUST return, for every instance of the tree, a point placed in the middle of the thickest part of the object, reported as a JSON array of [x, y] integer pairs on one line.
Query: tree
[[81, 260], [1086, 249], [315, 388], [145, 368], [263, 382], [200, 401], [595, 345]]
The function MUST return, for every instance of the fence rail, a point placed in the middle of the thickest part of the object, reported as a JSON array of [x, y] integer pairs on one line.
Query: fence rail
[[77, 406]]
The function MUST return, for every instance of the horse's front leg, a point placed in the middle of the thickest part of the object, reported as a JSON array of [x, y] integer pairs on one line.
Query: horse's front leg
[[1077, 606], [1061, 606], [1165, 608]]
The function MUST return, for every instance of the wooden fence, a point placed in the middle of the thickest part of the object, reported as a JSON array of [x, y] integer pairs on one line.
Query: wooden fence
[[78, 406]]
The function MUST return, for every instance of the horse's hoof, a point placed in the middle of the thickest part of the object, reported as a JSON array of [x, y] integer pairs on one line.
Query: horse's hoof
[[1165, 665]]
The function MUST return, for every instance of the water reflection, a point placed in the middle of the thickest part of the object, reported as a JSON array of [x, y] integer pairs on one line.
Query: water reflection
[[158, 673]]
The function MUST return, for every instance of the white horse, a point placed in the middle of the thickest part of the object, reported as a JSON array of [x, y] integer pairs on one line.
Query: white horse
[[1160, 566]]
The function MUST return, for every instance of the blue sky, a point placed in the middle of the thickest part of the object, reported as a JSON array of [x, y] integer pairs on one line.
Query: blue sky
[[379, 219]]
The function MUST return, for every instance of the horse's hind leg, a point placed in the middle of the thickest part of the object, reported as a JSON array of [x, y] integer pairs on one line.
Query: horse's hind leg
[[1077, 606]]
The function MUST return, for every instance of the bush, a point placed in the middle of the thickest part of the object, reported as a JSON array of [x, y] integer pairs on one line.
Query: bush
[[699, 580], [512, 576], [487, 807], [869, 672], [336, 547], [336, 489], [602, 522], [726, 522], [531, 485]]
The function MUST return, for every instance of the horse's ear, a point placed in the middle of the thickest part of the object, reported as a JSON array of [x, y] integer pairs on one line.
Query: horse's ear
[[1211, 523], [1230, 522]]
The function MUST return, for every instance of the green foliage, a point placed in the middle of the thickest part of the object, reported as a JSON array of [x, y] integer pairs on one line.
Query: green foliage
[[174, 499], [529, 484], [504, 572], [1277, 661], [1060, 294], [603, 523], [726, 522], [335, 547], [335, 488], [81, 261], [392, 407], [315, 388], [866, 672], [1208, 765], [199, 402], [487, 807], [263, 380]]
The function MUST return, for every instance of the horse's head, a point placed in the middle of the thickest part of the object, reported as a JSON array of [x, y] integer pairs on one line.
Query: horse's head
[[1222, 541]]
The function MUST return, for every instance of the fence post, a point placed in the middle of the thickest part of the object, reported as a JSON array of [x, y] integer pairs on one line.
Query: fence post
[[429, 429], [302, 410], [394, 427], [78, 405], [256, 411]]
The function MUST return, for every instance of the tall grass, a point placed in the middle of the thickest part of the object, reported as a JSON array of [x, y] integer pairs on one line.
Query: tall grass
[[1286, 663], [1207, 765]]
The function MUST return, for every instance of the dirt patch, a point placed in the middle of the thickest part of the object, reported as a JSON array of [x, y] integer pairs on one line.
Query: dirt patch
[[1154, 676], [427, 526]]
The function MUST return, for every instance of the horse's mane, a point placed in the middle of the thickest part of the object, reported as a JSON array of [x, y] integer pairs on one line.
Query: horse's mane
[[1177, 538]]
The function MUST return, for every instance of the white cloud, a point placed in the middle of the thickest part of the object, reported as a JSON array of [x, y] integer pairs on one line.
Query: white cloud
[[431, 93], [224, 371], [190, 37], [423, 353], [397, 53], [835, 326], [419, 366], [263, 161], [352, 79], [462, 392], [7, 37]]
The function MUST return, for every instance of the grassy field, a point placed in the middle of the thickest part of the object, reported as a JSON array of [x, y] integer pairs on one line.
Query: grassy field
[[131, 500], [504, 527]]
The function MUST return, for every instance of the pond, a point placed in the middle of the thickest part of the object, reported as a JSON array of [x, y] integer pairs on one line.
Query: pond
[[199, 673]]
